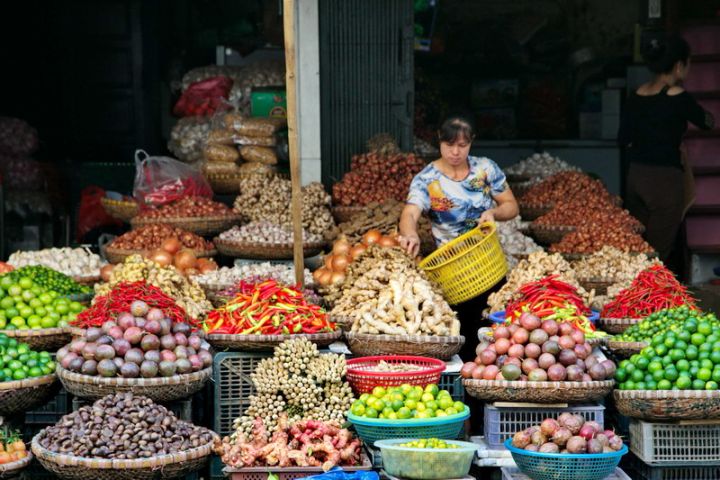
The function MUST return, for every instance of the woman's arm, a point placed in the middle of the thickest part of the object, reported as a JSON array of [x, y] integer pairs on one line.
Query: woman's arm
[[409, 238], [506, 209]]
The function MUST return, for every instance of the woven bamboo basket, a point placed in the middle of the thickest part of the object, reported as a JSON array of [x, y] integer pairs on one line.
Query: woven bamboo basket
[[665, 405], [519, 177], [161, 389], [23, 395], [600, 285], [616, 325], [69, 467], [344, 214], [40, 339], [267, 342], [120, 209], [519, 188], [530, 211], [593, 341], [118, 255], [537, 392], [204, 226], [75, 332], [573, 257], [549, 234], [625, 349], [13, 469], [89, 281], [262, 251], [224, 184], [366, 345]]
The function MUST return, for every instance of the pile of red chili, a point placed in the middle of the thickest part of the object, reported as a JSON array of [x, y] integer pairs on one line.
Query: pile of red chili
[[550, 298], [654, 289], [107, 307], [268, 308]]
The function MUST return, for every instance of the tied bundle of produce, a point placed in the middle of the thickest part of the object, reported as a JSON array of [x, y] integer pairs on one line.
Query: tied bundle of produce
[[568, 434], [300, 382], [593, 237], [268, 308], [550, 299], [654, 289], [565, 186], [120, 299], [376, 178]]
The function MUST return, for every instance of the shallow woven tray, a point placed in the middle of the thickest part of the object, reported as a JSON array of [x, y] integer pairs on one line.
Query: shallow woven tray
[[625, 349], [23, 395], [668, 404], [291, 472], [344, 214], [537, 392], [365, 345], [571, 257], [120, 209], [176, 465], [267, 342], [118, 255], [75, 332], [12, 469], [600, 285], [261, 251], [532, 211], [90, 281], [616, 325], [162, 389], [224, 184], [204, 226], [40, 339], [549, 234]]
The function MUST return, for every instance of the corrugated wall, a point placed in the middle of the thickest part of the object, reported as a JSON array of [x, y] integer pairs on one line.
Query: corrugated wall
[[366, 77]]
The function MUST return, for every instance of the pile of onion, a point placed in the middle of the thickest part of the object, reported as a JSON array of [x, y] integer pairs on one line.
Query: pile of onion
[[344, 253], [172, 253]]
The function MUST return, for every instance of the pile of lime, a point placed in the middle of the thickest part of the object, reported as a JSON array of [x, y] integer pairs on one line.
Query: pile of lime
[[661, 322], [50, 280], [686, 357], [18, 361], [25, 305], [429, 443], [406, 402]]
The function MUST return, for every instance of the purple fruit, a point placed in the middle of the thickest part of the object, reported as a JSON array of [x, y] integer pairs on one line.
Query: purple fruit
[[104, 352], [183, 366], [107, 368], [93, 334], [135, 355], [148, 369], [153, 356], [130, 370], [150, 342], [167, 369], [89, 367]]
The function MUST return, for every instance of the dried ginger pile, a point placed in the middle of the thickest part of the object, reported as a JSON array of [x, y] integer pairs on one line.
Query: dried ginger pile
[[385, 293]]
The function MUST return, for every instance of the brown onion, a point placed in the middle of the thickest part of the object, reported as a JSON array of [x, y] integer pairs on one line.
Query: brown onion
[[105, 272], [185, 259], [341, 247], [386, 241], [340, 262], [161, 257], [357, 250], [371, 237], [171, 245]]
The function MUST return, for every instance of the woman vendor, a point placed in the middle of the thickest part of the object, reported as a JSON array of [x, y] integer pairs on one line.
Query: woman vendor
[[458, 191]]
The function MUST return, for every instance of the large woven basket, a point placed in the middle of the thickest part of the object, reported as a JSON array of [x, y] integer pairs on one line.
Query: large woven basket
[[204, 226], [549, 234], [537, 392], [75, 332], [668, 404], [263, 251], [532, 211], [224, 184], [176, 465], [13, 469], [49, 339], [368, 345], [23, 395], [573, 257], [344, 214], [118, 255], [520, 177], [120, 209], [89, 280], [600, 285], [625, 349], [267, 342], [616, 325], [161, 389]]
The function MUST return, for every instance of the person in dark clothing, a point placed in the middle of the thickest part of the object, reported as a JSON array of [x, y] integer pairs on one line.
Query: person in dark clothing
[[651, 128]]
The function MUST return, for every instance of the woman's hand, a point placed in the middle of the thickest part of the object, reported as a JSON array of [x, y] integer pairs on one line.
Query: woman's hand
[[410, 243], [487, 216]]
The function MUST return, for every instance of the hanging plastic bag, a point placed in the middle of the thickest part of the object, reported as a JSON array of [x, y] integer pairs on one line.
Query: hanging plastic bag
[[204, 97], [162, 180], [338, 474], [92, 214]]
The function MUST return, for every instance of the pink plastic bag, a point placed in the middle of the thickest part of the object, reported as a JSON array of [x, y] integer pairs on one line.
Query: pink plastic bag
[[162, 180]]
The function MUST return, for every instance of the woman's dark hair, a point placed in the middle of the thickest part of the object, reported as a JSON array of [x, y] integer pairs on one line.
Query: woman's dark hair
[[662, 52], [455, 127]]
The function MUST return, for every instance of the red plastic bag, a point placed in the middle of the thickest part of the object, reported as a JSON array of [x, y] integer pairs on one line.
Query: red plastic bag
[[92, 214], [161, 180], [204, 98]]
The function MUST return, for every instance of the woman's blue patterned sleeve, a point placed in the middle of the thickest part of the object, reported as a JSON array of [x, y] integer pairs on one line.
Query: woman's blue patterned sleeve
[[418, 194], [496, 179]]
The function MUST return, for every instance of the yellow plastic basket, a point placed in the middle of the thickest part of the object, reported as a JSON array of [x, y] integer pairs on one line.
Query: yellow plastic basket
[[468, 265]]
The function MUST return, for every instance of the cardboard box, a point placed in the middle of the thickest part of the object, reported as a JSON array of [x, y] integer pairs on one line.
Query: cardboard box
[[268, 102]]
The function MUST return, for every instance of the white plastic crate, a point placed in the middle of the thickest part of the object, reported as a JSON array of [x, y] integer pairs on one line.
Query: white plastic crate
[[515, 474], [642, 471], [502, 423], [673, 444]]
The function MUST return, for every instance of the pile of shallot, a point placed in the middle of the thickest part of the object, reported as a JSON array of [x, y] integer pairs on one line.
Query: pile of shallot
[[570, 434]]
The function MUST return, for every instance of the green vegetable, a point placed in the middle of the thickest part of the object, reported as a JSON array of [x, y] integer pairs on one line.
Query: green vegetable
[[429, 443], [25, 305], [660, 322], [49, 279], [18, 362], [406, 402]]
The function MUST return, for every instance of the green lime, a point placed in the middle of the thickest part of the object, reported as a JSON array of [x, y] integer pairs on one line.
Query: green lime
[[711, 385], [704, 374], [664, 385], [671, 374], [683, 383], [371, 413], [698, 384]]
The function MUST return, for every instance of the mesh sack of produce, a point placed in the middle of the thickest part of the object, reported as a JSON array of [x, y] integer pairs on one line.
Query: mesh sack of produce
[[17, 137], [162, 180]]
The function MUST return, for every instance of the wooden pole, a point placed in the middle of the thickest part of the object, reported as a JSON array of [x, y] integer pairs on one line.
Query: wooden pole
[[295, 179]]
